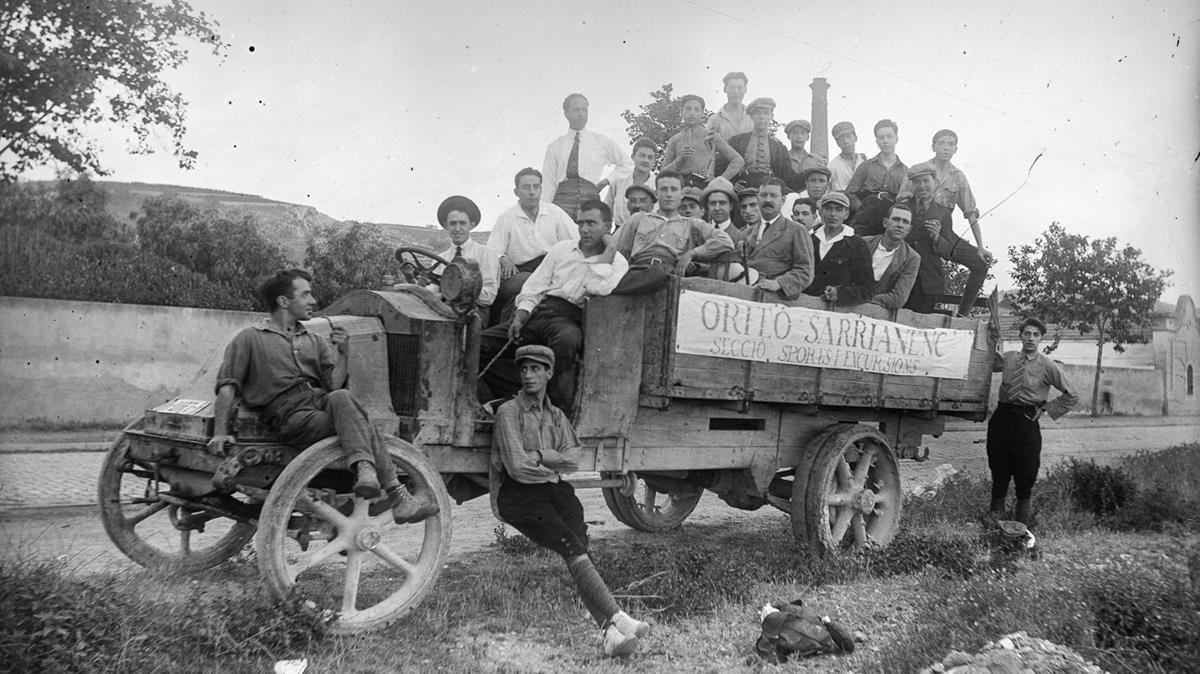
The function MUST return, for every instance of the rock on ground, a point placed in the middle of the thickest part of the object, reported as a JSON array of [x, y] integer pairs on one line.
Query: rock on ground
[[1016, 653]]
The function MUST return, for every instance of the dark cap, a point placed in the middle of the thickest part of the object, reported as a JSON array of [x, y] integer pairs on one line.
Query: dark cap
[[922, 169], [747, 192], [817, 169], [692, 193], [802, 123], [458, 203], [944, 132], [764, 102], [835, 198], [537, 353], [842, 127], [691, 97], [643, 188]]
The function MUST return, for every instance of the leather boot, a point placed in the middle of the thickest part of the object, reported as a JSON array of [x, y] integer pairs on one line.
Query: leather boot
[[1024, 506], [366, 482], [409, 509], [996, 509]]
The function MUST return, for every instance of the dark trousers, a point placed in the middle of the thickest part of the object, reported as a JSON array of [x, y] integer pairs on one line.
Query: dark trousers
[[556, 323], [308, 416], [966, 255], [549, 514], [1014, 449], [509, 289], [644, 277]]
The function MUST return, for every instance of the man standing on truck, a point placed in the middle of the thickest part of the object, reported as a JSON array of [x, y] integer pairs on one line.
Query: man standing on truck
[[549, 310], [575, 161], [295, 380], [534, 442], [1014, 437]]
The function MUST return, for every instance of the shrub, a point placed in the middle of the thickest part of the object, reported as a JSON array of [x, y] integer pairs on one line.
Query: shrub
[[1099, 490]]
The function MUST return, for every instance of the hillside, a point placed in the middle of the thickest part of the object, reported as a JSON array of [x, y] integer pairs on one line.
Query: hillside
[[289, 225]]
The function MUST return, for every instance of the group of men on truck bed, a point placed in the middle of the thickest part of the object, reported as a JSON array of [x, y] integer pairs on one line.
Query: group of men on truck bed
[[865, 230]]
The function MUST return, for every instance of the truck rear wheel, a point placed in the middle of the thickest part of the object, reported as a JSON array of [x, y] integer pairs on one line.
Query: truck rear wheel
[[847, 492], [154, 533], [357, 570], [647, 508]]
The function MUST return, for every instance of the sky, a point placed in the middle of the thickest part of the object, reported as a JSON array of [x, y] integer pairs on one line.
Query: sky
[[376, 111]]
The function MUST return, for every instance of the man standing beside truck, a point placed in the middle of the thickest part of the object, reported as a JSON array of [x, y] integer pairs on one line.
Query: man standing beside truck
[[295, 380]]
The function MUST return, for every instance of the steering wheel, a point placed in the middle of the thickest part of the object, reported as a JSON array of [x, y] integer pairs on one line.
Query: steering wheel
[[414, 269]]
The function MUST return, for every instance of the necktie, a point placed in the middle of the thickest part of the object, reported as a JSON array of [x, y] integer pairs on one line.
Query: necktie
[[1018, 379], [458, 251], [764, 160], [573, 159]]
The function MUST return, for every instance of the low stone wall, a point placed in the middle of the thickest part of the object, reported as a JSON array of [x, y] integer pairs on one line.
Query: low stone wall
[[95, 362]]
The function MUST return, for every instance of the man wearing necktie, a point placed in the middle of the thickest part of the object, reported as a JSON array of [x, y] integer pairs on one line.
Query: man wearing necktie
[[458, 215], [764, 156], [1014, 437], [779, 249], [575, 163]]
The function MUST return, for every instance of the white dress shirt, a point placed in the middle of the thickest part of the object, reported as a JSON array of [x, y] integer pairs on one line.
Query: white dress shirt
[[881, 258], [568, 274], [841, 170], [520, 239], [489, 268], [596, 152], [827, 243]]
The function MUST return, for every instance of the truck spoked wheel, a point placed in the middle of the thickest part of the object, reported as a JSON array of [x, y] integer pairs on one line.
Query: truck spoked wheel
[[358, 571], [852, 497], [648, 508], [154, 532]]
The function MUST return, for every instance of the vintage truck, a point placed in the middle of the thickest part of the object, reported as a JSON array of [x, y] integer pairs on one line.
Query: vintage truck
[[700, 387]]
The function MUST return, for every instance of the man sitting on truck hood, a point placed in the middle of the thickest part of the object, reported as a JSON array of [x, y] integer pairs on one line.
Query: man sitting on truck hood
[[293, 378], [549, 310]]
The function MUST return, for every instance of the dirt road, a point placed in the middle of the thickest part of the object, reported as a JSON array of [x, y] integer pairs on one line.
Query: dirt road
[[75, 536]]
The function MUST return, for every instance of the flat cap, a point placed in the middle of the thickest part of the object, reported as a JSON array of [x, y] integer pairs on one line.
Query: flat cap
[[763, 102], [835, 198], [691, 97], [537, 353], [458, 203], [842, 127], [639, 187], [692, 193], [922, 169], [719, 184], [816, 169], [802, 123], [747, 192]]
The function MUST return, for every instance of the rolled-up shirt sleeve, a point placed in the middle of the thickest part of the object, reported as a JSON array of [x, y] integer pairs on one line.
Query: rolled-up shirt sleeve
[[235, 365]]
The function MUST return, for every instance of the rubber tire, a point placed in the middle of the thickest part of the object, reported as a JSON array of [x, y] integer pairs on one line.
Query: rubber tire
[[630, 512], [127, 540], [809, 508], [278, 509]]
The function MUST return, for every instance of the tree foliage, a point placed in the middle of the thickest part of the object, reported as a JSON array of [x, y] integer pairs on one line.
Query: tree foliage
[[65, 66], [658, 120], [1087, 285], [228, 251], [343, 258], [73, 209]]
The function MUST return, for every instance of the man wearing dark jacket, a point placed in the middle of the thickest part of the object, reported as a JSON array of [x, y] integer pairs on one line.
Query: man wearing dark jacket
[[764, 156], [843, 271]]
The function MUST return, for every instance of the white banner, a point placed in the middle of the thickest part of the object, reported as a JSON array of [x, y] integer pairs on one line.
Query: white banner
[[727, 327]]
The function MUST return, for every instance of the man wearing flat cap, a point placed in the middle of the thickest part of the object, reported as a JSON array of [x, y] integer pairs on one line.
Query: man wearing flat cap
[[645, 151], [522, 235], [549, 310], [733, 118], [843, 273], [847, 161], [764, 155], [533, 445], [931, 237], [689, 203], [575, 162], [458, 215], [797, 132], [638, 199], [777, 248], [693, 152]]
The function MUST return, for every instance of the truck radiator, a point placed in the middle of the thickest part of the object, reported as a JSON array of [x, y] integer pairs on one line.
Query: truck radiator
[[403, 375]]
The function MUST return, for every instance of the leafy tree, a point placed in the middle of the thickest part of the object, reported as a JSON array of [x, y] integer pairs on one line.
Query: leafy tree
[[231, 252], [1085, 284], [70, 210], [956, 282], [65, 65], [658, 120], [343, 258]]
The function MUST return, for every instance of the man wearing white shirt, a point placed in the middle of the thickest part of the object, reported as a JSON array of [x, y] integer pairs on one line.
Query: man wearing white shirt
[[776, 247], [575, 162], [894, 262], [458, 215], [645, 151], [721, 198], [549, 310], [522, 235], [843, 166], [843, 273]]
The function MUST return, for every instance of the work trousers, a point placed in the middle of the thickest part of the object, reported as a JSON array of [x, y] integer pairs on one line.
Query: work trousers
[[509, 289], [548, 513], [961, 253], [309, 416], [1014, 449], [556, 323]]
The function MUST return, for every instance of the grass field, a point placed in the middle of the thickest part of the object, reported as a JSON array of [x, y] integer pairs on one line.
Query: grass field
[[1118, 583]]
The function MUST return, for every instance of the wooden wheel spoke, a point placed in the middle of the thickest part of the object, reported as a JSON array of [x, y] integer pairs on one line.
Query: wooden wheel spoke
[[860, 529], [395, 559], [648, 500], [350, 586], [842, 523], [146, 512], [310, 559], [840, 499], [842, 473], [863, 467]]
